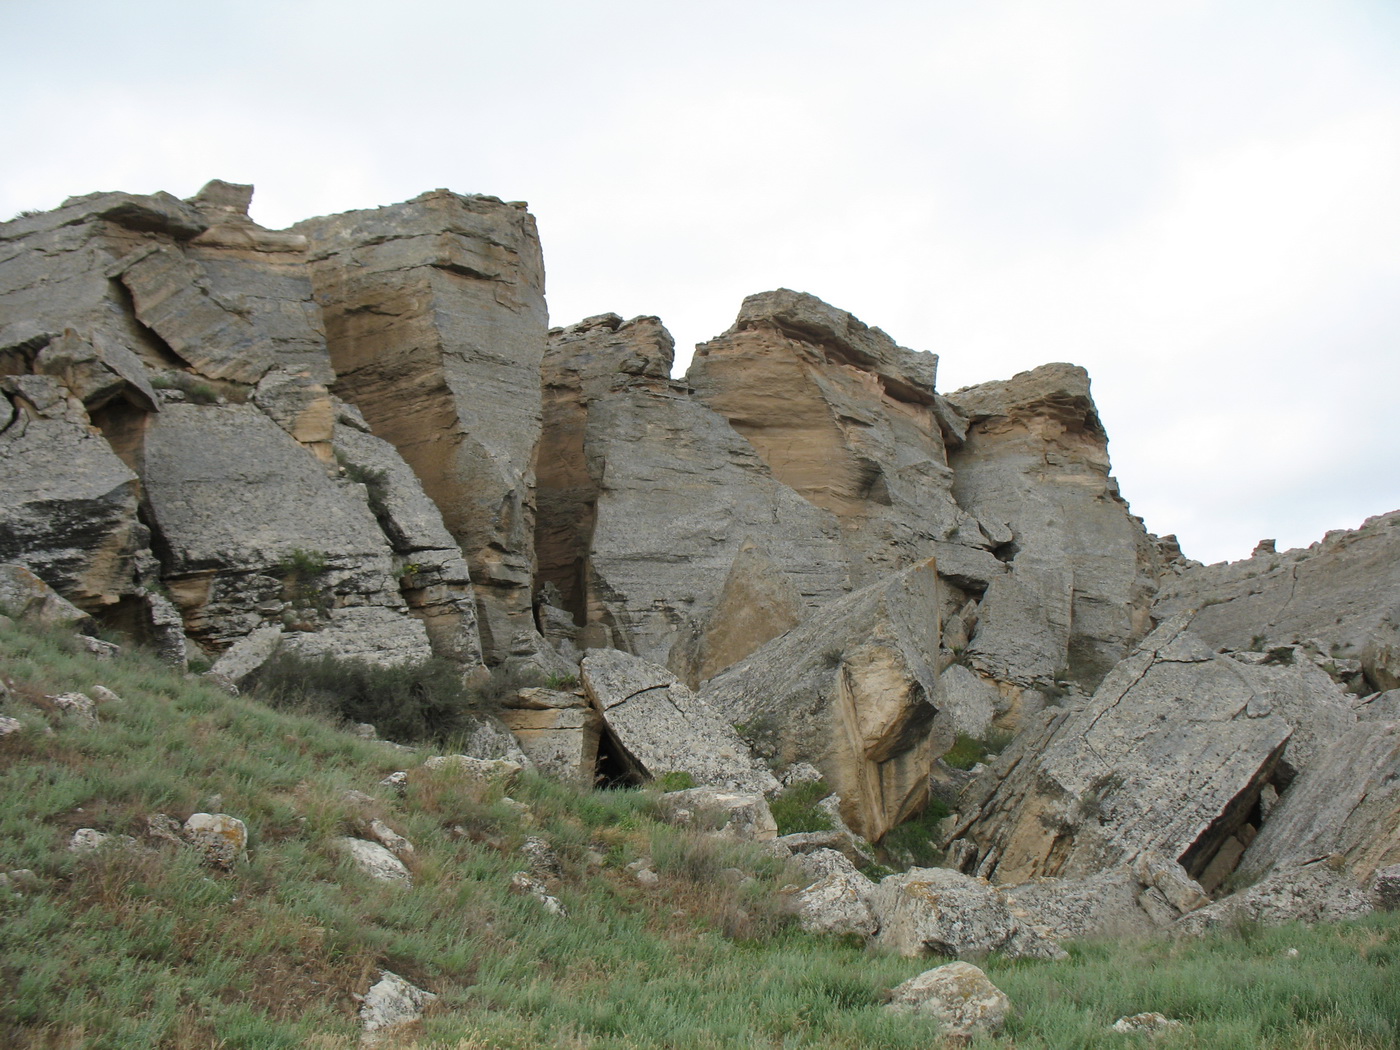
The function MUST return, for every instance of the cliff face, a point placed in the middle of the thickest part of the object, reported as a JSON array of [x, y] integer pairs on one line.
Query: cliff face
[[360, 437]]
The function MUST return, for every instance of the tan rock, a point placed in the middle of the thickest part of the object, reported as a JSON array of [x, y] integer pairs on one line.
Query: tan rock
[[958, 996], [854, 692], [436, 325]]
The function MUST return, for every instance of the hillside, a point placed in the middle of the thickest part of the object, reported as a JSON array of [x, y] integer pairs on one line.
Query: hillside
[[145, 944]]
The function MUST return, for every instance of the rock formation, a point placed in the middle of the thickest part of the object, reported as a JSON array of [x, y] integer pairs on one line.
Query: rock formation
[[360, 437]]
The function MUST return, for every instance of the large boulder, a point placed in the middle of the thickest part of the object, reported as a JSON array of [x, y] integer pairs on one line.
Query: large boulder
[[1171, 754], [436, 325], [559, 731], [937, 911], [958, 996], [854, 692], [657, 725]]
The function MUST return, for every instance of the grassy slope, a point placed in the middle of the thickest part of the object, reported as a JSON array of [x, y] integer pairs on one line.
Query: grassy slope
[[146, 948]]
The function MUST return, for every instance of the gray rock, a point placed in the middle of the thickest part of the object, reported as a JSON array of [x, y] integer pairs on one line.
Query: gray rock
[[852, 691], [1151, 1023], [485, 771], [937, 911], [390, 1006], [1083, 570], [219, 838], [389, 839], [69, 509], [249, 653], [1344, 803], [838, 903], [734, 814], [659, 521], [31, 600], [78, 706], [10, 726], [524, 882], [1385, 888], [969, 700], [1322, 891], [664, 727], [559, 732], [1343, 591], [374, 860], [90, 840], [1170, 755], [436, 325], [958, 996]]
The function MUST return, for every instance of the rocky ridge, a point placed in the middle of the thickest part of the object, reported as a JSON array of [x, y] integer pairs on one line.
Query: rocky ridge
[[360, 437]]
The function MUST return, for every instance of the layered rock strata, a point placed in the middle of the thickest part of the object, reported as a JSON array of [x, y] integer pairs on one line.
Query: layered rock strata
[[169, 433], [436, 326], [663, 531]]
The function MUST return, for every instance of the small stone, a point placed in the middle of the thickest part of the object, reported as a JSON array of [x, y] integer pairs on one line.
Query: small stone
[[78, 705], [90, 840], [484, 770], [218, 837], [524, 882], [1149, 1023], [358, 798], [103, 695], [165, 828], [364, 731], [10, 726], [391, 1003], [543, 860], [100, 649], [375, 861], [398, 781], [390, 839], [19, 880], [647, 877]]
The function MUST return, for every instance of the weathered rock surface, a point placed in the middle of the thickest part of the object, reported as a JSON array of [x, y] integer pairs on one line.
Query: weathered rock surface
[[436, 324], [29, 599], [1343, 591], [559, 731], [1083, 571], [958, 996], [936, 911], [838, 903], [659, 726], [390, 1005], [1318, 892], [219, 838], [375, 861], [734, 814], [854, 692], [843, 416], [662, 529], [1346, 803], [1171, 754]]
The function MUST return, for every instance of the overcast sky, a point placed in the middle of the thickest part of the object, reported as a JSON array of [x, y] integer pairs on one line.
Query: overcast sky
[[1199, 202]]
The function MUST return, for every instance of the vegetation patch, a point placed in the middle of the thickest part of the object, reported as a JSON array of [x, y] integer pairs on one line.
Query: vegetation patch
[[795, 808]]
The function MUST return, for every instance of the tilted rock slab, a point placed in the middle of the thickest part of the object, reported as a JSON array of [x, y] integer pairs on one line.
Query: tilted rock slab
[[852, 691], [1170, 754], [436, 324], [1346, 803], [664, 531], [1083, 569], [559, 732], [663, 727], [1343, 591]]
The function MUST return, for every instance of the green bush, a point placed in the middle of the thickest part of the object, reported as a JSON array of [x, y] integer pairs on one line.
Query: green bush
[[422, 701], [967, 751], [795, 808], [674, 780], [911, 844]]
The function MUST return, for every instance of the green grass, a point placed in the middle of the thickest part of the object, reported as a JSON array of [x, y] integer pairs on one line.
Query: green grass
[[795, 808], [147, 948]]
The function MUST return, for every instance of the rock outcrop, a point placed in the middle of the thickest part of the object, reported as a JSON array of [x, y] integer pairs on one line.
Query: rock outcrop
[[169, 436], [436, 326], [1035, 464], [1343, 593], [1171, 754], [664, 532], [854, 692]]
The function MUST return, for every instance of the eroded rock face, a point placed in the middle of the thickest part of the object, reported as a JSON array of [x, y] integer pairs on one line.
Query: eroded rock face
[[664, 532], [1170, 754], [854, 692], [436, 325], [165, 368], [1343, 591], [1083, 570]]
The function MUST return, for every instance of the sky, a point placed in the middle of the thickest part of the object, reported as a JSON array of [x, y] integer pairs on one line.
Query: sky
[[1199, 202]]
